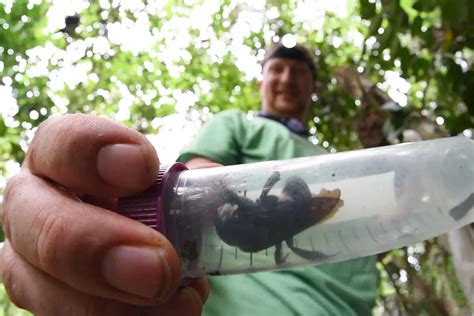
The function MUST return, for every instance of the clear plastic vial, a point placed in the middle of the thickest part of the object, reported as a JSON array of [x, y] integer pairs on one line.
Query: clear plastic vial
[[306, 211]]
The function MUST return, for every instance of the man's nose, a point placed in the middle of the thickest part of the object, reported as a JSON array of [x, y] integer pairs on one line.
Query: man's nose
[[286, 75]]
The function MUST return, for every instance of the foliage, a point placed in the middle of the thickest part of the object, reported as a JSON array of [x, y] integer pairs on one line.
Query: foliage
[[417, 280], [7, 308], [196, 67]]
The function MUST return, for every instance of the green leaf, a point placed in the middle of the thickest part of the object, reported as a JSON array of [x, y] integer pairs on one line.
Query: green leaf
[[416, 25], [386, 38], [375, 24], [394, 47], [468, 94], [367, 9], [455, 11], [455, 76], [425, 5]]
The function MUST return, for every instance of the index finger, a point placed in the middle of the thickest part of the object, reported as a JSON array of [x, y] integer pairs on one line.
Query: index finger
[[92, 250], [93, 155]]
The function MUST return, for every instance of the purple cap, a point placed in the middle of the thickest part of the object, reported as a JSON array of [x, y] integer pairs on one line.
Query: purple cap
[[150, 207]]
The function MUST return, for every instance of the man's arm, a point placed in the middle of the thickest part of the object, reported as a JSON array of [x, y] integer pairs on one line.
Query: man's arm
[[198, 162], [218, 140]]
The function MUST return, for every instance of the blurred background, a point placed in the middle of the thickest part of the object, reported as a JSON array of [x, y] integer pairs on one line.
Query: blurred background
[[390, 71]]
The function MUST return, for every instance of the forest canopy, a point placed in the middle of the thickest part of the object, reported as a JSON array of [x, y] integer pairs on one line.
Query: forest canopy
[[142, 62]]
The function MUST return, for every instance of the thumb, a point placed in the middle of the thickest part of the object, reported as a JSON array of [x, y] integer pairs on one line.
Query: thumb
[[93, 155]]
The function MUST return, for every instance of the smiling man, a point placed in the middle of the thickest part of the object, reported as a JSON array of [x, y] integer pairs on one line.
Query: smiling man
[[279, 131], [288, 82]]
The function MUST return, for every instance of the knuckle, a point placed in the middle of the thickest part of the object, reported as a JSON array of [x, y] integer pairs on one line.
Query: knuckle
[[55, 148], [12, 184], [51, 228], [11, 193], [11, 280], [54, 135], [96, 306], [45, 128], [33, 157]]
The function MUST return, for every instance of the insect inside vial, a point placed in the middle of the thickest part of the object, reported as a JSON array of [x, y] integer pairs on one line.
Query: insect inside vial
[[271, 220]]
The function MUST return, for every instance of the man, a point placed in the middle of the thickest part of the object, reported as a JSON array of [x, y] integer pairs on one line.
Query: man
[[279, 132]]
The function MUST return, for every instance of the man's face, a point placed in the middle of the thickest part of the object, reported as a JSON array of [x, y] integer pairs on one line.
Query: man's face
[[286, 87]]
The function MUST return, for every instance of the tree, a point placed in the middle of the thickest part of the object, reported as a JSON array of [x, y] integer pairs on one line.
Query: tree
[[144, 62]]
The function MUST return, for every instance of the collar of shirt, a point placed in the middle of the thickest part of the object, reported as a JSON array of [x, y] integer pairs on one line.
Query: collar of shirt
[[292, 124]]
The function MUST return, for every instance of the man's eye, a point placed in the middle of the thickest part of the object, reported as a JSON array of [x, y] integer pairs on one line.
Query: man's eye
[[276, 69], [299, 71]]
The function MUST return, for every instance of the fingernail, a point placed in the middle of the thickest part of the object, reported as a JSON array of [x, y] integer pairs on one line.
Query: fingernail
[[123, 165], [142, 271]]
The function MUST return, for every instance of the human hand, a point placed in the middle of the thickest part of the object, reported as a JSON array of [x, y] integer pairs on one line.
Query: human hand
[[65, 252], [199, 162]]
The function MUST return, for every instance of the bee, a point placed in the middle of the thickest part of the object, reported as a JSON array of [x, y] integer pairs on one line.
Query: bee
[[271, 220]]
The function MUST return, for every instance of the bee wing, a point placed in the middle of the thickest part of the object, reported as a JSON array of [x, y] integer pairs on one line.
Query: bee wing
[[325, 205]]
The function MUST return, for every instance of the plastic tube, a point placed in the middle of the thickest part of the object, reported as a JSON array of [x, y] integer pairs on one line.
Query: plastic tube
[[307, 211]]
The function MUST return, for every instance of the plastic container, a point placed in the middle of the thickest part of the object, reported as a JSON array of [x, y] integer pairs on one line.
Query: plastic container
[[307, 211]]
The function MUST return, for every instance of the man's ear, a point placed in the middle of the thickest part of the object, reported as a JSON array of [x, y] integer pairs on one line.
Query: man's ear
[[259, 86]]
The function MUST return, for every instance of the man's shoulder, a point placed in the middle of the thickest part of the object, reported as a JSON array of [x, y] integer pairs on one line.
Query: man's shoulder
[[230, 113], [235, 118], [226, 117]]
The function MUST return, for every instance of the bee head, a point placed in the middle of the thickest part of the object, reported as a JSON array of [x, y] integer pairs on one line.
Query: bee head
[[227, 210]]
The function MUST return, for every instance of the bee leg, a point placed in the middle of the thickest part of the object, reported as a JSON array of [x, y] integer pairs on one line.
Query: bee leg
[[274, 178], [279, 257], [460, 210], [306, 254]]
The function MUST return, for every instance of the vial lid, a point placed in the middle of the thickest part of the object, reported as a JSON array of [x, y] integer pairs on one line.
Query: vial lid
[[149, 207]]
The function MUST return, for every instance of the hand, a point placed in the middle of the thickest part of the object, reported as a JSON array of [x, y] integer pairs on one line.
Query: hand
[[65, 252], [198, 162]]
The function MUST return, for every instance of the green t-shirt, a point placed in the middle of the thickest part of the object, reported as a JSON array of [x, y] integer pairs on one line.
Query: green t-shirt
[[345, 288]]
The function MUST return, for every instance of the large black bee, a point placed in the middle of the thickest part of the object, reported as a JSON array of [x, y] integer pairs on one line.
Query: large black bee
[[270, 220]]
